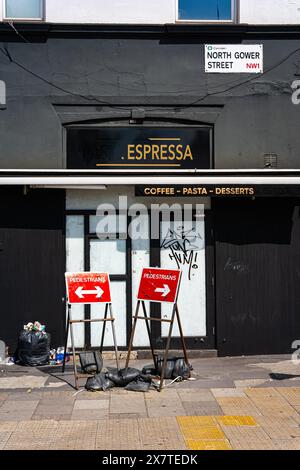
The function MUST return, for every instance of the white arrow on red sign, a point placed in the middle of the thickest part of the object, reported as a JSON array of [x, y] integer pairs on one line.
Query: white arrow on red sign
[[81, 293], [164, 290]]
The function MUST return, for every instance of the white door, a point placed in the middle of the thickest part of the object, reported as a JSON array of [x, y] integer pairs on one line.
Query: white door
[[182, 246]]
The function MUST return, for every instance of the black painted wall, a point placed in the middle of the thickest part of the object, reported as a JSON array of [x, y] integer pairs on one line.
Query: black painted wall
[[32, 262], [161, 71], [257, 275]]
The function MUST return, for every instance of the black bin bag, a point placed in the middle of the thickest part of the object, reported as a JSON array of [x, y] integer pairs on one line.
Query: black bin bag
[[141, 384], [181, 369], [33, 348], [169, 366], [122, 377], [99, 383], [91, 362]]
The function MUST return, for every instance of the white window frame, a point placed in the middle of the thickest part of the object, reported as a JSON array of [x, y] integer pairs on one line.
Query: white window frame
[[234, 15], [23, 20]]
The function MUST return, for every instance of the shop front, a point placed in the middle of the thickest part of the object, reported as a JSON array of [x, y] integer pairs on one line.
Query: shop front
[[239, 255], [137, 230], [120, 150]]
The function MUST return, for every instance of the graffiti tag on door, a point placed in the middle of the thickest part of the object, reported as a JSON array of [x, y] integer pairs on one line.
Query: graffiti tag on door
[[183, 245]]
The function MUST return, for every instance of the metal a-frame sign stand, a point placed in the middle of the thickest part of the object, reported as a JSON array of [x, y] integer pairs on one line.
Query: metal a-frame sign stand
[[88, 288], [155, 287]]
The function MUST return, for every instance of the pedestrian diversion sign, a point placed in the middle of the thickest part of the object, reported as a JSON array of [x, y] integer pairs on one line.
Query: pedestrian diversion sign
[[88, 288], [159, 285], [232, 58]]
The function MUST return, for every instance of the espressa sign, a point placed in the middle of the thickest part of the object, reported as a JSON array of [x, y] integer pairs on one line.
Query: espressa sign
[[159, 152], [121, 147]]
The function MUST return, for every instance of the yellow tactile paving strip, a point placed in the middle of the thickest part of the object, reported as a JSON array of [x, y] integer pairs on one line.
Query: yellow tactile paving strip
[[237, 420], [209, 432], [208, 445]]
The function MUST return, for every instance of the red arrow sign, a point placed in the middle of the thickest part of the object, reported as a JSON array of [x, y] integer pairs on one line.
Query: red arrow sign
[[159, 285], [88, 288]]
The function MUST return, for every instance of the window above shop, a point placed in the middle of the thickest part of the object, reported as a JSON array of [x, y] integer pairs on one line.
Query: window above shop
[[24, 10], [206, 10]]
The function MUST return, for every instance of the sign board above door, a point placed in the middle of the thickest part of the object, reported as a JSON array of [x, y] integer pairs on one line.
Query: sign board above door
[[233, 58], [138, 147], [88, 288]]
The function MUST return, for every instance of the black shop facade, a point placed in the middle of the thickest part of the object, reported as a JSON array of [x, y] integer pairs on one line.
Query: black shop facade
[[73, 165]]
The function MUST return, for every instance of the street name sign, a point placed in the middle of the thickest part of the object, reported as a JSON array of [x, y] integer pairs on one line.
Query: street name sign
[[233, 58], [159, 285], [88, 288]]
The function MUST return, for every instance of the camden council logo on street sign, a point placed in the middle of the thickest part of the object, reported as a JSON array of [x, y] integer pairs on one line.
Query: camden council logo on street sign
[[159, 285], [234, 58], [88, 288]]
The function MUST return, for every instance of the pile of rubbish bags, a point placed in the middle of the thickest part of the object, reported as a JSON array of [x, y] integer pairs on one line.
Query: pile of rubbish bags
[[138, 380], [130, 378], [33, 345]]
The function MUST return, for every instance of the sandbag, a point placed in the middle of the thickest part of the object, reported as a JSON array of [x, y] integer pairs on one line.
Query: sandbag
[[149, 369], [33, 348], [181, 369], [169, 367], [99, 382], [93, 385], [91, 362], [140, 384], [122, 377]]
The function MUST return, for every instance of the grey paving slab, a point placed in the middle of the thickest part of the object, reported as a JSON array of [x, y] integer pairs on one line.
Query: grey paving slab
[[127, 404], [25, 396], [19, 405], [89, 414], [196, 395], [158, 411], [50, 416], [202, 409], [15, 415], [127, 415], [208, 384], [84, 395], [22, 382], [91, 404], [227, 392]]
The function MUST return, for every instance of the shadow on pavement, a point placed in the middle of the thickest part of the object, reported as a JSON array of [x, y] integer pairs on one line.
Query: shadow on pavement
[[275, 376]]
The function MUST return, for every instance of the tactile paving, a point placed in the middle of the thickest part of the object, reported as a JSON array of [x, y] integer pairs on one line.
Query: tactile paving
[[237, 420], [193, 444]]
